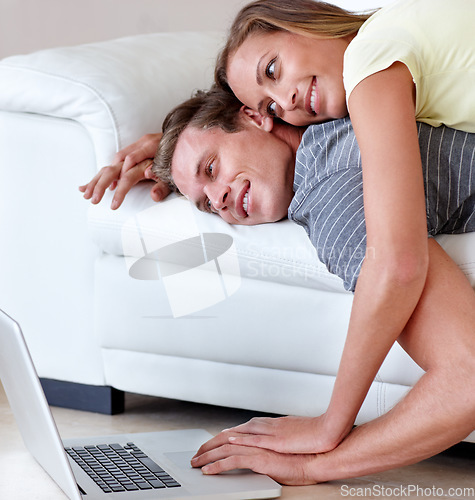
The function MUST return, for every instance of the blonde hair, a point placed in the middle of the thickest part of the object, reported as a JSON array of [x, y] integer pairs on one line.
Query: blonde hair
[[302, 17]]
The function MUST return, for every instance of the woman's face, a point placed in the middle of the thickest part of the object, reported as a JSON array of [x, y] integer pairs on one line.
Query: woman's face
[[293, 77]]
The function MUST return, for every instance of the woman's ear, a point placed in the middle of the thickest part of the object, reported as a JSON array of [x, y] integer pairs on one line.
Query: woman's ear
[[265, 123]]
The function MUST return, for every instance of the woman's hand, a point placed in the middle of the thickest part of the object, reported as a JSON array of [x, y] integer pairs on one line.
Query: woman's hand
[[115, 177], [289, 469], [299, 435]]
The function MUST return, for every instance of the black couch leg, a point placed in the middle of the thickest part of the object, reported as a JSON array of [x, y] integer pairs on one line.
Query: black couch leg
[[98, 399]]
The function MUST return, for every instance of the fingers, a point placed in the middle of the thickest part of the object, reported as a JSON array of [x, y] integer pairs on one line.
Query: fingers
[[268, 442], [132, 151], [128, 159], [148, 174], [214, 454], [294, 435], [243, 434], [121, 179], [94, 189], [229, 457], [215, 442], [159, 191], [134, 158], [144, 148], [286, 469], [127, 180], [257, 425]]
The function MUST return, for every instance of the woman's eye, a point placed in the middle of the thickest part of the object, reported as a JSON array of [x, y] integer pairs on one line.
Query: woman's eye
[[271, 108], [270, 70], [207, 205]]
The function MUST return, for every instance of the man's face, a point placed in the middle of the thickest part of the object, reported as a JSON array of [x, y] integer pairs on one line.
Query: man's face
[[245, 177]]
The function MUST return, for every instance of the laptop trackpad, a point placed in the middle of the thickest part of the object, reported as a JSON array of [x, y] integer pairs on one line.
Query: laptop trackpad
[[183, 458], [233, 484]]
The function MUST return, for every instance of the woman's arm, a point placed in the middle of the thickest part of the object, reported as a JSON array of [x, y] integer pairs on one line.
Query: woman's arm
[[394, 271]]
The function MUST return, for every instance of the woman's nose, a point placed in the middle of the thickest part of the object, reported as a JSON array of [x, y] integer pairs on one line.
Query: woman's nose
[[287, 100]]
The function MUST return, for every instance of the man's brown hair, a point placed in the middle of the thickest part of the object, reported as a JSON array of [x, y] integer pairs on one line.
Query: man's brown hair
[[205, 110]]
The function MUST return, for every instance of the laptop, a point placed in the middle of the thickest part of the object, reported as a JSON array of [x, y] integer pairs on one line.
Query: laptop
[[118, 467]]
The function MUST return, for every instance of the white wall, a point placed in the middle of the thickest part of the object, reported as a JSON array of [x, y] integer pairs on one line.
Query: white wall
[[29, 25]]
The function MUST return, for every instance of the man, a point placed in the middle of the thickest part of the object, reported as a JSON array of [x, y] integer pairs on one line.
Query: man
[[233, 162], [249, 170]]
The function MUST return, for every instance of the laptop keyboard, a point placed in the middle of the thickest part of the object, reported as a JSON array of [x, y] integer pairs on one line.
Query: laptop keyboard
[[121, 468]]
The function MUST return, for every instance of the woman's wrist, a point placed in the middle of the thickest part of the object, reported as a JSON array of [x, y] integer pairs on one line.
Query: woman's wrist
[[335, 428]]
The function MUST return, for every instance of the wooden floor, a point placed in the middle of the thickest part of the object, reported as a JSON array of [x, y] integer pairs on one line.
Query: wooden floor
[[21, 478]]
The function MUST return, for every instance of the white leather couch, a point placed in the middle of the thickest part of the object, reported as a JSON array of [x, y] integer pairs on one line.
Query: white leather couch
[[126, 298]]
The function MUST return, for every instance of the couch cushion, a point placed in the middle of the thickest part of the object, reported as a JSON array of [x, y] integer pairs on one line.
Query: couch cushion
[[95, 85], [101, 85], [279, 252]]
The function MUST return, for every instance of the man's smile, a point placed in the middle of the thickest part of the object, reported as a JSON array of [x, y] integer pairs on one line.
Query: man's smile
[[242, 201]]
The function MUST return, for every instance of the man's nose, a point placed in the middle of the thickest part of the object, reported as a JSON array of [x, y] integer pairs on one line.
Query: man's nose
[[218, 195]]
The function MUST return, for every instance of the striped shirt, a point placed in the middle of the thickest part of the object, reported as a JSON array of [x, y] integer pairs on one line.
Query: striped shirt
[[328, 187]]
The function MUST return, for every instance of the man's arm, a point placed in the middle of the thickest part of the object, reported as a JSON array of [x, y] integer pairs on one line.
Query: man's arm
[[440, 337]]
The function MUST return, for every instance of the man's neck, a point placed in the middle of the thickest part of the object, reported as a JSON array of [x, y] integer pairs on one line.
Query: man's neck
[[289, 134]]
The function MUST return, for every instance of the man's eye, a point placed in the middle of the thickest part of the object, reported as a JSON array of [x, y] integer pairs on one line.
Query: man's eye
[[210, 169], [271, 108], [270, 70]]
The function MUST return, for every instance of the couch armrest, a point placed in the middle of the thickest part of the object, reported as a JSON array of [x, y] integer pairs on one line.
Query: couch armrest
[[118, 90]]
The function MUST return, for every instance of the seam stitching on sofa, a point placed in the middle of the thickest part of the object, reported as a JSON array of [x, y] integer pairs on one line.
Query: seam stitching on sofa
[[244, 253], [113, 226], [110, 348]]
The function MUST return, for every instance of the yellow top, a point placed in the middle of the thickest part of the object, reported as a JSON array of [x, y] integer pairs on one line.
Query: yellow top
[[435, 39]]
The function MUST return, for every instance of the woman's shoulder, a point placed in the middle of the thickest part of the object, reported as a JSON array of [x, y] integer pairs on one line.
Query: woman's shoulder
[[409, 31]]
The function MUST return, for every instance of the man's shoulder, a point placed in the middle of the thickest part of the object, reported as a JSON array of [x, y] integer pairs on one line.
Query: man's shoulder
[[328, 162], [327, 148], [321, 133]]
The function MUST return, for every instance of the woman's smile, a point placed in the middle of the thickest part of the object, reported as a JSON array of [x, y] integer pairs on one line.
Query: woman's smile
[[311, 102], [293, 77]]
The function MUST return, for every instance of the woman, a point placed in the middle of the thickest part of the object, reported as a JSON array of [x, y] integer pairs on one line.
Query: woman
[[307, 62], [272, 67], [307, 50]]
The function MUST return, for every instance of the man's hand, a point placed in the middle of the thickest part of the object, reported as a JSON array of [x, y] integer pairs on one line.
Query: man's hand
[[114, 177], [140, 150], [129, 166], [283, 468]]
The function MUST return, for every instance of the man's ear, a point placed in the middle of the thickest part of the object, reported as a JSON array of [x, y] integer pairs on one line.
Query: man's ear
[[265, 123]]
